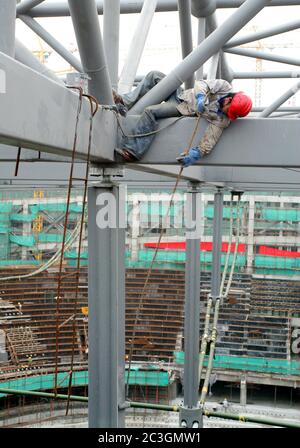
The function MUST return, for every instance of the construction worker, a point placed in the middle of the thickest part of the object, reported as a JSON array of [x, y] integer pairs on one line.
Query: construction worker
[[212, 99]]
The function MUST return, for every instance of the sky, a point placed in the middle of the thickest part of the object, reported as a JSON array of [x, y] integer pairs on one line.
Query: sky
[[163, 49]]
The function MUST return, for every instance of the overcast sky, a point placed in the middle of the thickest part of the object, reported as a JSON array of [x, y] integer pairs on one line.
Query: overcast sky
[[163, 50]]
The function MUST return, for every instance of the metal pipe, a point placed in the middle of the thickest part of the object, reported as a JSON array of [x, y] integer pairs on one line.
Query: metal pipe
[[226, 72], [158, 407], [185, 22], [269, 74], [263, 55], [217, 244], [111, 30], [60, 9], [23, 55], [203, 8], [253, 37], [26, 5], [7, 27], [200, 55], [192, 301], [282, 99], [201, 38], [137, 46], [52, 42], [90, 45]]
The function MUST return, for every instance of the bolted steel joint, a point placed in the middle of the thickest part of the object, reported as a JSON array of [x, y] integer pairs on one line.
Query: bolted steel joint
[[190, 418]]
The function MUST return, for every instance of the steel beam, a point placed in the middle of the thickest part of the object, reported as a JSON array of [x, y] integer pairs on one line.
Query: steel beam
[[203, 8], [106, 280], [90, 45], [42, 116], [111, 30], [23, 55], [253, 37], [52, 42], [274, 142], [212, 44], [7, 27], [192, 304], [60, 9], [267, 74], [281, 100], [185, 22], [136, 47], [27, 5], [263, 55], [200, 39]]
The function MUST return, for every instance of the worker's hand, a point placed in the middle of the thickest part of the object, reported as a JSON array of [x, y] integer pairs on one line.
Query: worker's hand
[[189, 159], [200, 99]]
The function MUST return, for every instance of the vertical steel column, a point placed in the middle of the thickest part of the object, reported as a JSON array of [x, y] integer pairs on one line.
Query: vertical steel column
[[7, 27], [111, 30], [137, 46], [106, 242], [185, 21], [191, 415], [88, 35], [217, 245], [201, 38]]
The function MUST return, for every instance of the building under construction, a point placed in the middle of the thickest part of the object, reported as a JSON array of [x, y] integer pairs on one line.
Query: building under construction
[[141, 293]]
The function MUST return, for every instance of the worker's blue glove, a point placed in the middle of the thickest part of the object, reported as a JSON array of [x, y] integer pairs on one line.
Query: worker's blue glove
[[189, 159], [200, 102]]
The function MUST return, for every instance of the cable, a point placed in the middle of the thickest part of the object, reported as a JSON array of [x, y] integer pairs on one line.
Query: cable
[[154, 257]]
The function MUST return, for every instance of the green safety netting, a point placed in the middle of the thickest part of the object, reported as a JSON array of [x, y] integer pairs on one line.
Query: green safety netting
[[280, 214], [266, 365], [22, 240], [180, 257], [266, 261], [209, 212]]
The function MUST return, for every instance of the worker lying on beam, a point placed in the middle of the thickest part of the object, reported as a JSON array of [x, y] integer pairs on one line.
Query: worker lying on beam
[[212, 99]]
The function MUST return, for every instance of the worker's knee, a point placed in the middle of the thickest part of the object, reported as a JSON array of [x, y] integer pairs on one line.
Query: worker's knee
[[153, 77]]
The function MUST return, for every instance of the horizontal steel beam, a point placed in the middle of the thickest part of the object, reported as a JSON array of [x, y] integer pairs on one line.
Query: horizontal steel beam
[[60, 9], [267, 74], [263, 55], [39, 114], [267, 142]]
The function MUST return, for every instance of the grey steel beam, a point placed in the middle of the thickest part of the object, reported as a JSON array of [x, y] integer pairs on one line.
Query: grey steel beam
[[136, 47], [190, 174], [252, 37], [39, 114], [217, 245], [111, 30], [90, 45], [200, 39], [60, 9], [281, 100], [52, 42], [281, 109], [267, 74], [26, 5], [263, 55], [185, 22], [200, 55], [23, 55], [7, 27], [192, 305], [274, 142], [106, 291]]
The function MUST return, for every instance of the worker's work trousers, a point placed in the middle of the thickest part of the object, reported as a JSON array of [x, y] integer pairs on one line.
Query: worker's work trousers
[[210, 138], [147, 83], [147, 124]]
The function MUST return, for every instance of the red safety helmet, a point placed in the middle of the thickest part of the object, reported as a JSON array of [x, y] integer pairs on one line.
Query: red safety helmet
[[240, 106]]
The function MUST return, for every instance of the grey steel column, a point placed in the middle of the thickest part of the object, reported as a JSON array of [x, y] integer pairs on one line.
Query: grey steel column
[[111, 29], [217, 246], [106, 309], [200, 55], [7, 27], [191, 412], [282, 99], [88, 34], [185, 21], [52, 42], [201, 38]]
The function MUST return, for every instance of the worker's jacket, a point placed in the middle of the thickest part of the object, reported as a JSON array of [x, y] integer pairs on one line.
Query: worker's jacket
[[213, 91]]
